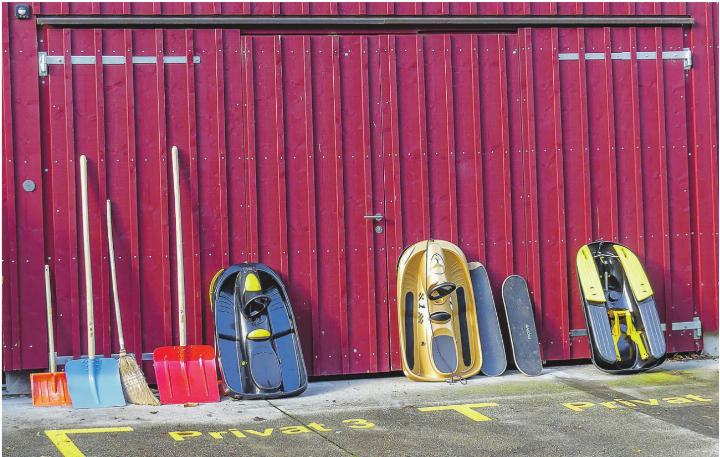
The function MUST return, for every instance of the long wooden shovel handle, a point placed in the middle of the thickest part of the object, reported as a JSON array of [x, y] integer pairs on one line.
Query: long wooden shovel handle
[[113, 276], [51, 333], [178, 248], [86, 257]]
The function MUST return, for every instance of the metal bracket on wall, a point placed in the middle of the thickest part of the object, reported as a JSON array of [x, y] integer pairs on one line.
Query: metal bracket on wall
[[685, 55], [44, 60], [63, 359], [694, 324]]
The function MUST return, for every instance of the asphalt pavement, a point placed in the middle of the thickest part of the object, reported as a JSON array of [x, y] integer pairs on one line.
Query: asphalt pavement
[[567, 411]]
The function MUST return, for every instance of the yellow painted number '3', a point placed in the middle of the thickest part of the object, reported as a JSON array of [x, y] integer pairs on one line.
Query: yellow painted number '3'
[[358, 423]]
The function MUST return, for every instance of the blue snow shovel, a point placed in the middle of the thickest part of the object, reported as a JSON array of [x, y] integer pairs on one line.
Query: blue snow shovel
[[93, 382]]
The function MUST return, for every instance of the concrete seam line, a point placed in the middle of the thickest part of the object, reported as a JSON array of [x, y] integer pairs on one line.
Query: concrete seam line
[[310, 428]]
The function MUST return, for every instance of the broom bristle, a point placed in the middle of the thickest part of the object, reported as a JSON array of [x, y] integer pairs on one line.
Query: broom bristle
[[134, 384]]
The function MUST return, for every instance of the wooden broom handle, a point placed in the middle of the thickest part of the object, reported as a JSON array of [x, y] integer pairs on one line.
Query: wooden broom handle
[[86, 257], [113, 276], [51, 333], [178, 248]]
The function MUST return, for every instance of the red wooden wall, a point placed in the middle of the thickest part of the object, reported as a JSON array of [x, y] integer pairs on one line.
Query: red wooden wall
[[488, 140]]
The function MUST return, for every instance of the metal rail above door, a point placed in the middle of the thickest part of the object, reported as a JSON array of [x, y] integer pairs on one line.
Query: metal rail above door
[[345, 24]]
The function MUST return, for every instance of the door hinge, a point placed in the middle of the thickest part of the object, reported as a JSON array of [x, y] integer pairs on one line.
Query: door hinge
[[685, 55], [44, 60], [42, 64]]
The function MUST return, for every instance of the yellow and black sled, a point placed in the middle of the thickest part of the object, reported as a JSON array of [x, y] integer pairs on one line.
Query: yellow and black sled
[[439, 335], [623, 323]]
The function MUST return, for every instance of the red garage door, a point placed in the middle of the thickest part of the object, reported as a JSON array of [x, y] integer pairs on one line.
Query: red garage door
[[324, 155]]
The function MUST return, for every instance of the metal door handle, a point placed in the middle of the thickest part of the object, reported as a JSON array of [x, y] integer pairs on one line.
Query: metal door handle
[[377, 217]]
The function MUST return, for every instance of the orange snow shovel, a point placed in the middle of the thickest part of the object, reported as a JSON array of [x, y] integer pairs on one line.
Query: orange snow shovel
[[184, 374], [49, 389]]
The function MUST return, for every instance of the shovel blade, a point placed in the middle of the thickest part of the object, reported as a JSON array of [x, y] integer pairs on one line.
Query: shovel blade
[[94, 383], [186, 374], [49, 389]]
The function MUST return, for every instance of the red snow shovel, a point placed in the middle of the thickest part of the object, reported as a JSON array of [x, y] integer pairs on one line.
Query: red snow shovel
[[184, 374]]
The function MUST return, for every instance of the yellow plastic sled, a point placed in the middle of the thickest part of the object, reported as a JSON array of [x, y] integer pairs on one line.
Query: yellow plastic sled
[[439, 335], [623, 322]]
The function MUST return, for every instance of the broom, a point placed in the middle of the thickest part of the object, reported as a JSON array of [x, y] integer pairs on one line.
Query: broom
[[131, 376]]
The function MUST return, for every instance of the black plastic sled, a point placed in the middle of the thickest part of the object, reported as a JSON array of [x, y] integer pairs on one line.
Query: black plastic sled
[[258, 348]]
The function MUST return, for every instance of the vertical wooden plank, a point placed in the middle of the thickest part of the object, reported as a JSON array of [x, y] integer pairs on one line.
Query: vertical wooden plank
[[413, 138], [135, 342], [574, 116], [333, 344], [378, 87], [627, 141], [553, 300], [466, 104], [235, 142], [223, 257], [204, 148], [390, 170], [490, 8], [181, 101], [339, 199], [497, 77], [680, 306], [127, 230], [434, 8], [26, 163], [46, 164], [654, 161], [411, 193], [153, 194], [248, 81], [441, 141], [10, 314], [358, 202], [83, 132], [271, 201], [293, 8], [118, 179], [601, 129], [105, 328], [301, 213], [61, 147], [161, 172], [531, 268]]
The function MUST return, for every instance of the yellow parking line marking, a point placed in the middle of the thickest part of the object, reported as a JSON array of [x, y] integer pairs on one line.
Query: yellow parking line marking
[[466, 410], [67, 448]]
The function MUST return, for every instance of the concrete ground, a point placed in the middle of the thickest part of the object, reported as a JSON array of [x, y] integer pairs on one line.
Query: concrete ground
[[568, 411]]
